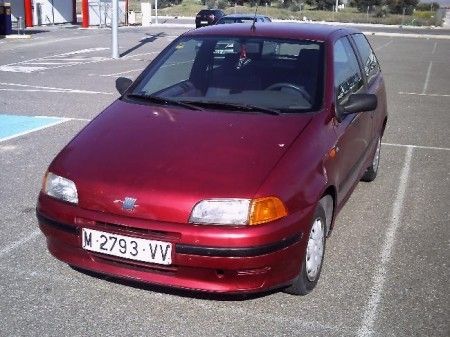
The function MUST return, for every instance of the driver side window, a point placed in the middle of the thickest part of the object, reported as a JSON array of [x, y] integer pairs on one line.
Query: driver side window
[[347, 74]]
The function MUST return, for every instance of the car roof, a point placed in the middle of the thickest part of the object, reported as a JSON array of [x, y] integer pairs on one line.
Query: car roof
[[293, 30]]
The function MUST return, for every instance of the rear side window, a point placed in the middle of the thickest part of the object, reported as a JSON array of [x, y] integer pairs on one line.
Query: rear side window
[[347, 75], [369, 60]]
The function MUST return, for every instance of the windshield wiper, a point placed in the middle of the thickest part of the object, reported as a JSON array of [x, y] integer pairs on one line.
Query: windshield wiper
[[163, 101], [235, 106]]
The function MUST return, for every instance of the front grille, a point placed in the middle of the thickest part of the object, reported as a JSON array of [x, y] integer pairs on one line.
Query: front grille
[[142, 233], [135, 265]]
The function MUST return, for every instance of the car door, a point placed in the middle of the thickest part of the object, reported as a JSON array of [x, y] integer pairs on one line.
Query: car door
[[353, 131]]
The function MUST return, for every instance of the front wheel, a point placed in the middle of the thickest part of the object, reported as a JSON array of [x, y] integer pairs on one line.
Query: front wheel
[[313, 259]]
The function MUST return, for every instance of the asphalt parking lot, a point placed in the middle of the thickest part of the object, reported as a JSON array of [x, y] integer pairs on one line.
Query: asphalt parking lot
[[386, 267]]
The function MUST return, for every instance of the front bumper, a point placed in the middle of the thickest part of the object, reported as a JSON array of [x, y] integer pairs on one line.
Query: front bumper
[[204, 258]]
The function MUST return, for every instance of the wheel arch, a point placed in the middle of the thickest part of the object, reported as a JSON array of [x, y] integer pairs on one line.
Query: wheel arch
[[384, 126], [328, 202]]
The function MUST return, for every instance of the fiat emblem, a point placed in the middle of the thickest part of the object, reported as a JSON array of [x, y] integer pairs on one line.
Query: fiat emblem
[[128, 204]]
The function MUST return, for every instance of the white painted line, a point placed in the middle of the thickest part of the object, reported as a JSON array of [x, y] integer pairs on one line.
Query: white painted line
[[417, 94], [46, 41], [62, 91], [68, 118], [63, 60], [19, 243], [51, 63], [384, 45], [74, 59], [50, 89], [75, 52], [121, 73], [434, 48], [427, 79], [62, 120], [420, 36], [21, 69], [379, 278], [141, 54], [419, 147]]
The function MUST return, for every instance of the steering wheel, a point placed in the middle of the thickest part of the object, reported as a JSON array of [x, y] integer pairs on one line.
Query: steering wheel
[[281, 85]]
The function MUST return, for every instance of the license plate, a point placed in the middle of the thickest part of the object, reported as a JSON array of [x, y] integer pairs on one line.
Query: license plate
[[127, 247], [204, 22]]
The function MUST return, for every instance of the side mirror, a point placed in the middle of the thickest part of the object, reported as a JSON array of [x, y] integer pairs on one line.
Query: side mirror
[[122, 84], [358, 103]]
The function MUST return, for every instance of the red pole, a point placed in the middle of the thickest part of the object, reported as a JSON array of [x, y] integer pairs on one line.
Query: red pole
[[28, 13], [85, 13]]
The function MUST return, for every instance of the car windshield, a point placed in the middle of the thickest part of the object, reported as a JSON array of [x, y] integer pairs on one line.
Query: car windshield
[[274, 74]]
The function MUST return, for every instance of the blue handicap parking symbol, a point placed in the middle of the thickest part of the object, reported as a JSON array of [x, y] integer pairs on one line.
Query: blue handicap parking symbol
[[12, 126]]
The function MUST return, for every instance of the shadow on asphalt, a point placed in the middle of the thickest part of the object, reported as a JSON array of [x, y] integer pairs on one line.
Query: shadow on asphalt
[[177, 292], [149, 39], [28, 31]]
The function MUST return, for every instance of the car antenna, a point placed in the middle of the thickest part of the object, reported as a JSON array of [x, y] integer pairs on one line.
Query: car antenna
[[254, 18]]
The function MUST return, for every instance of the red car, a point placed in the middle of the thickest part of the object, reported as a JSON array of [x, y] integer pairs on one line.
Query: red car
[[222, 171]]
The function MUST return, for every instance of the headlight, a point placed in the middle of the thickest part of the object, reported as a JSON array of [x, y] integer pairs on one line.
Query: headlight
[[60, 188], [238, 211]]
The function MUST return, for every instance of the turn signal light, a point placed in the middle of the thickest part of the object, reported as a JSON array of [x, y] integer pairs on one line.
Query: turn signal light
[[266, 209]]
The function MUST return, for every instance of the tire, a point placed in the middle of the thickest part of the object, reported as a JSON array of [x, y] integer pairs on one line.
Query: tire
[[372, 170], [312, 261]]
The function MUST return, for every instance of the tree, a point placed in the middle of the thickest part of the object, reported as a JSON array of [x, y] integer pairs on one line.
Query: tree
[[397, 6], [322, 4], [432, 6], [363, 4]]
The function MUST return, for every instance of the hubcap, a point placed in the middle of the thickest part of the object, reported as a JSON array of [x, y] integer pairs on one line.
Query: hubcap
[[314, 250], [376, 157]]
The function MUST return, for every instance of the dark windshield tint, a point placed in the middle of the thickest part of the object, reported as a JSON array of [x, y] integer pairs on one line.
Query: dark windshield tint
[[285, 75]]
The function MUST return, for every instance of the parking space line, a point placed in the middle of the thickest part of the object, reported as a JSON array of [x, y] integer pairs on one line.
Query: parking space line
[[118, 74], [417, 94], [64, 60], [379, 278], [49, 89], [384, 45], [68, 118], [427, 79], [408, 35], [14, 245], [419, 146], [128, 57], [434, 48]]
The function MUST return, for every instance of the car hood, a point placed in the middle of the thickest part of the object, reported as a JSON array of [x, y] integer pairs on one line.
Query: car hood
[[168, 159]]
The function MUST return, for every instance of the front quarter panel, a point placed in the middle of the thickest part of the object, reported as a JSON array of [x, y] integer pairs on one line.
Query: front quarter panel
[[300, 177]]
